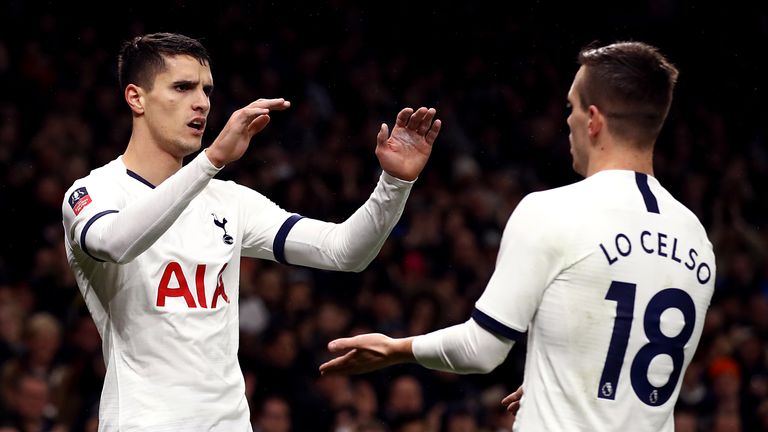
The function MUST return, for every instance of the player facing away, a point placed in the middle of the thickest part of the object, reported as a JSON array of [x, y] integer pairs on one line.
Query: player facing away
[[610, 277], [156, 246]]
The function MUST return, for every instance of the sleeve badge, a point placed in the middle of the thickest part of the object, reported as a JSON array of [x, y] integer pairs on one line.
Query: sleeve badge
[[79, 199]]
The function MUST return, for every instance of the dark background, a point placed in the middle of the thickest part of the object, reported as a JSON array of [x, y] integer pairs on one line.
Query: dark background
[[497, 75]]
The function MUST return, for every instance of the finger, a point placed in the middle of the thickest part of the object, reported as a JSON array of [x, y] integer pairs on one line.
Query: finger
[[258, 124], [339, 364], [514, 407], [342, 344], [431, 135], [269, 103], [249, 113], [330, 366], [418, 116], [403, 116], [277, 104], [245, 116], [381, 137], [512, 397], [426, 122]]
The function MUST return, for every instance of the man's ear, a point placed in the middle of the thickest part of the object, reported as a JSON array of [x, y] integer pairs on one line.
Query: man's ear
[[596, 121], [134, 95]]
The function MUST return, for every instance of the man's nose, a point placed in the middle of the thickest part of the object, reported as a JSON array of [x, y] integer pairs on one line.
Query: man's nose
[[202, 102]]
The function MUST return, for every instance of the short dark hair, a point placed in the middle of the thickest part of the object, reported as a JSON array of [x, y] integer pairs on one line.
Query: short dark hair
[[632, 84], [141, 58]]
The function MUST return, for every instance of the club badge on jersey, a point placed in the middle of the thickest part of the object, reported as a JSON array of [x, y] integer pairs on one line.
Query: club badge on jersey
[[79, 199], [222, 224]]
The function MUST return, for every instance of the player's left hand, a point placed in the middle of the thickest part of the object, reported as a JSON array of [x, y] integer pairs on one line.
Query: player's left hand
[[512, 401], [404, 153], [365, 353]]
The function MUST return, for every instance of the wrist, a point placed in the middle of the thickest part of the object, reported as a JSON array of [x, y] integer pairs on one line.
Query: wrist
[[391, 179], [401, 176], [215, 158], [403, 350]]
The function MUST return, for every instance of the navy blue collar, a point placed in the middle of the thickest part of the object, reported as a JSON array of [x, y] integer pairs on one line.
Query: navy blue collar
[[139, 178]]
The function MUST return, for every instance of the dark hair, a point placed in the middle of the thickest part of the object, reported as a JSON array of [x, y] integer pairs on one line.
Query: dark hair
[[631, 83], [141, 58]]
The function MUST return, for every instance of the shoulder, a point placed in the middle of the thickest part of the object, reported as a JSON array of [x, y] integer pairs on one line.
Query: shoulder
[[689, 219], [549, 217], [99, 191], [251, 205], [538, 212], [558, 199], [102, 178], [109, 172], [228, 187]]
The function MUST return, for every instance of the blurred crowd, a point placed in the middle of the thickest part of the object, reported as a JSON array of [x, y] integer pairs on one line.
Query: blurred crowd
[[498, 82]]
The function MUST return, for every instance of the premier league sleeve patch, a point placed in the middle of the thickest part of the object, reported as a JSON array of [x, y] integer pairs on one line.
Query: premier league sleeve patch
[[79, 199]]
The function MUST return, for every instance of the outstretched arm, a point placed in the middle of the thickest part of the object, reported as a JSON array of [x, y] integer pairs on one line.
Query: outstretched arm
[[464, 348], [121, 234], [353, 244], [366, 353]]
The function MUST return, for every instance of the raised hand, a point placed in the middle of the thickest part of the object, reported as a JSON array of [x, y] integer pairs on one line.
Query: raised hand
[[365, 353], [242, 125], [404, 153]]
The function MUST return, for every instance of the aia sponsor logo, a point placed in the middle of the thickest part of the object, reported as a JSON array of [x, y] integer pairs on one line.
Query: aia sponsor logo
[[180, 287]]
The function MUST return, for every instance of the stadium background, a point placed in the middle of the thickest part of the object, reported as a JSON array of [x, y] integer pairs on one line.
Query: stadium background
[[498, 76]]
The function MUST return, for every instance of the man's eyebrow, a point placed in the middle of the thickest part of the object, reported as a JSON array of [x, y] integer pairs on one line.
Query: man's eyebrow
[[208, 89], [185, 83]]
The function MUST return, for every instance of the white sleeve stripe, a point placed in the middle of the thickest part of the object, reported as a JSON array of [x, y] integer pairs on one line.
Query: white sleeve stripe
[[496, 327], [87, 226], [354, 243]]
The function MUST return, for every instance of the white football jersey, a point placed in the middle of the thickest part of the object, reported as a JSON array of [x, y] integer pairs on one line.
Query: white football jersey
[[169, 318], [611, 278]]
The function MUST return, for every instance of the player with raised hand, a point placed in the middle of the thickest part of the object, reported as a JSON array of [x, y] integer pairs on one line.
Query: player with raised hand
[[610, 277], [156, 246]]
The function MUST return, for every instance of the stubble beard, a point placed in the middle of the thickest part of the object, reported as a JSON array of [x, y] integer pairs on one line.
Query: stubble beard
[[187, 147]]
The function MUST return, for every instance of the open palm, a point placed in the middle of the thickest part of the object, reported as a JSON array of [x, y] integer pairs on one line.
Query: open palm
[[365, 353], [405, 151]]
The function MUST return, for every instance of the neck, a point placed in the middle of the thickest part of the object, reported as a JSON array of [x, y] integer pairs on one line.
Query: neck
[[621, 157], [149, 161]]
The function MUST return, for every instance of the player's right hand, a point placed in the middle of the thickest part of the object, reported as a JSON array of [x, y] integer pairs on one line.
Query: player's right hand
[[242, 125], [365, 353]]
